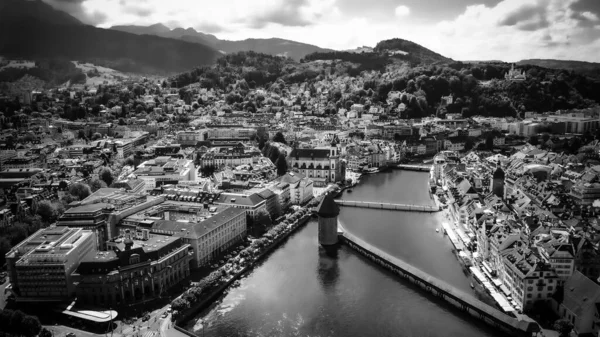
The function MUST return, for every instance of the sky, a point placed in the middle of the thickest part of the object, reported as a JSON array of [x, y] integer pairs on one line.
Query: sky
[[507, 30]]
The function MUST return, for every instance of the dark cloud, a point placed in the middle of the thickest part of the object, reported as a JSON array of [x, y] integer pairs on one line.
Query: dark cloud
[[592, 6], [212, 28], [583, 6], [139, 11], [75, 8], [288, 14], [527, 17]]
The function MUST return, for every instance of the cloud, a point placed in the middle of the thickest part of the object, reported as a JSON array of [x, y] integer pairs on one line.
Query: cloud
[[75, 8], [139, 11], [509, 30], [518, 29], [528, 17], [402, 11]]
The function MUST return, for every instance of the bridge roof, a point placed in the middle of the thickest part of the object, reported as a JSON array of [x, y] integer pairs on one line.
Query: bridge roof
[[328, 208]]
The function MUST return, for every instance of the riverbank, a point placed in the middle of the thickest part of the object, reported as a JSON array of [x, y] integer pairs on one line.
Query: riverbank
[[187, 314]]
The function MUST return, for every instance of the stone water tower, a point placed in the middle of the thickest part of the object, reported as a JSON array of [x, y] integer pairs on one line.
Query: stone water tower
[[328, 212]]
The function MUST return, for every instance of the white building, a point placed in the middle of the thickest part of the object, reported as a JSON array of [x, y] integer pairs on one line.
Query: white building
[[40, 267]]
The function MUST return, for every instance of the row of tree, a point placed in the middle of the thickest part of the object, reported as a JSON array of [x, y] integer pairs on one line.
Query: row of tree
[[18, 324]]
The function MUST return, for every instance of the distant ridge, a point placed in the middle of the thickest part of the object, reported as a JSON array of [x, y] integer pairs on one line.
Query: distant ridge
[[562, 64], [35, 30], [272, 46]]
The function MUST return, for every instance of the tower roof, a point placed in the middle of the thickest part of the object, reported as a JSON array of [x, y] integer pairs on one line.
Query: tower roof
[[499, 173], [328, 208]]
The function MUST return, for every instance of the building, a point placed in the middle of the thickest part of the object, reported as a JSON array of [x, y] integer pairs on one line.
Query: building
[[515, 75], [497, 183], [208, 238], [252, 204], [40, 267], [585, 193], [92, 217], [328, 212], [225, 158], [579, 303], [528, 278], [165, 170], [321, 165], [576, 122], [301, 188], [137, 267], [191, 138]]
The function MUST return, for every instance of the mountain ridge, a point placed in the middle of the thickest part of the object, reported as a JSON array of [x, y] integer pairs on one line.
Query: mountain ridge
[[271, 46], [13, 11]]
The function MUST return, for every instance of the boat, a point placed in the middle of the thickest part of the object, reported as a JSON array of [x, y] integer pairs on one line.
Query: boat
[[472, 285], [371, 170], [437, 230]]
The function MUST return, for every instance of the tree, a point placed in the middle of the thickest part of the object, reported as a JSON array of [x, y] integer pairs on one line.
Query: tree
[[47, 211], [281, 165], [533, 140], [208, 170], [489, 142], [469, 144], [96, 136], [79, 190], [31, 326], [45, 333], [96, 184], [279, 138], [129, 161], [563, 327], [106, 175], [5, 247], [180, 304]]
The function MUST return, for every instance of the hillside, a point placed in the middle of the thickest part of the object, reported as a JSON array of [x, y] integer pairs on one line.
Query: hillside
[[14, 11], [410, 48], [189, 35], [273, 46], [110, 48]]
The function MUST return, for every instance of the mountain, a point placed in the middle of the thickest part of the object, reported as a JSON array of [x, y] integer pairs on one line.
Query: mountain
[[273, 46], [189, 35], [13, 11], [110, 48], [405, 47], [44, 33]]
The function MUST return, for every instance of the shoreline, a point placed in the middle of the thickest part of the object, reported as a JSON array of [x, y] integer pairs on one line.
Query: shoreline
[[196, 308]]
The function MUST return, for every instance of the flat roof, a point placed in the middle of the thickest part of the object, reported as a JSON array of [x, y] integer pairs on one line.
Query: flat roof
[[92, 315]]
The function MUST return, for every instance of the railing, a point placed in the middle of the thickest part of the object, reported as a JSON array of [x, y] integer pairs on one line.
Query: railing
[[388, 206], [459, 299]]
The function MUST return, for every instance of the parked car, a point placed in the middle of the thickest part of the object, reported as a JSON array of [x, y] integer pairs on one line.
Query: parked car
[[70, 334]]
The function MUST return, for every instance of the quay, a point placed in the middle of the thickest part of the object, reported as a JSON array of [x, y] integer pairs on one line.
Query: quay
[[388, 206], [466, 303], [424, 168]]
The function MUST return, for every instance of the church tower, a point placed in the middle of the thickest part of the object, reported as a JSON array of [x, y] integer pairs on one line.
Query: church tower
[[498, 182], [328, 212]]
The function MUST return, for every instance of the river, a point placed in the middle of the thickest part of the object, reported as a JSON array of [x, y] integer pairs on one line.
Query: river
[[303, 290]]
